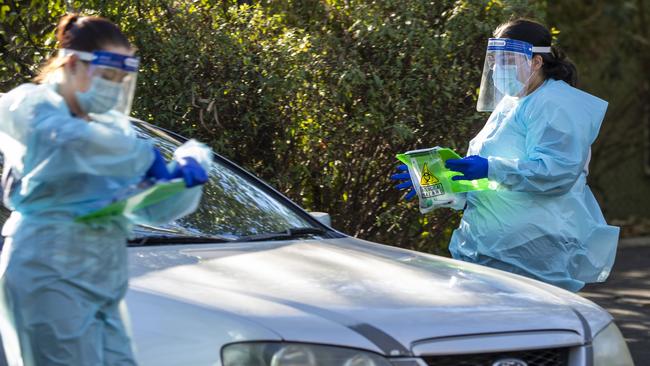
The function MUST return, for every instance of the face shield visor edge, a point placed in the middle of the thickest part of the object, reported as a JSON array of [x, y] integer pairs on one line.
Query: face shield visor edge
[[506, 71], [112, 81]]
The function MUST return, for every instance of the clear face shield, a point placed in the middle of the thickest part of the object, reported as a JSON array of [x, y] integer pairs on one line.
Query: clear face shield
[[506, 71], [112, 81]]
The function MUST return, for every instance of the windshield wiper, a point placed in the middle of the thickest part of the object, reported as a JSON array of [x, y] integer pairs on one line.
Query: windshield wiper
[[291, 233], [175, 239]]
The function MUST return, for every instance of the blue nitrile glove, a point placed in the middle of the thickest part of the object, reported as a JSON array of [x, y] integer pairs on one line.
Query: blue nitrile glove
[[406, 184], [473, 167], [191, 171], [158, 169]]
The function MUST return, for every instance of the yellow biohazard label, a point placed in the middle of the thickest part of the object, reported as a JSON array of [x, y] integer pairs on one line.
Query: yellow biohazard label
[[428, 178]]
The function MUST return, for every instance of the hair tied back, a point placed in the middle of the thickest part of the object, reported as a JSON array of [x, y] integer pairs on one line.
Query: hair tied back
[[65, 25]]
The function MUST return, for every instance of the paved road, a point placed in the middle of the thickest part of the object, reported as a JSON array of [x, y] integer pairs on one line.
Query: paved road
[[626, 295]]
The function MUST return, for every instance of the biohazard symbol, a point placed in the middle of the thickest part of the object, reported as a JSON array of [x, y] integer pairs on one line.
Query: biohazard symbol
[[427, 178]]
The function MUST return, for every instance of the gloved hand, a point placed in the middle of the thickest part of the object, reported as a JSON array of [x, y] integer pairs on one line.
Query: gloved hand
[[158, 169], [191, 171], [406, 184], [472, 167]]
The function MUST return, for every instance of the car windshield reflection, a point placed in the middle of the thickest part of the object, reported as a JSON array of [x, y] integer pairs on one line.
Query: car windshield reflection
[[233, 206]]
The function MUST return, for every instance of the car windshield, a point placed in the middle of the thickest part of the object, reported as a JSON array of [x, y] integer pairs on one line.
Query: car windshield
[[234, 206]]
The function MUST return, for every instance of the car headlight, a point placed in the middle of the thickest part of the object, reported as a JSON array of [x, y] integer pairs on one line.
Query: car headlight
[[610, 348], [297, 354]]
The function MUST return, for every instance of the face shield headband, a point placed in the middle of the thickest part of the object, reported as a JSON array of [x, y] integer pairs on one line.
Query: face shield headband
[[112, 81], [506, 71]]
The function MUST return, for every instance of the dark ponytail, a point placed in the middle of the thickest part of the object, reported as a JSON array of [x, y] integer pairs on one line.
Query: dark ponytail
[[83, 33], [556, 64]]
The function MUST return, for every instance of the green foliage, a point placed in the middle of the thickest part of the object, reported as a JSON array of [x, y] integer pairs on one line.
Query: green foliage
[[610, 44], [26, 38], [315, 96]]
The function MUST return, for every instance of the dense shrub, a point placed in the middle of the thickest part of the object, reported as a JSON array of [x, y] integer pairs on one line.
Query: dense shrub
[[317, 96]]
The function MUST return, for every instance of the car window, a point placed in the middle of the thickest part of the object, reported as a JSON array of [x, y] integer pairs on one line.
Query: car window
[[233, 205]]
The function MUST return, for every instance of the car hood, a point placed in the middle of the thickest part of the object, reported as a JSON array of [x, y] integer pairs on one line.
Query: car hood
[[354, 293]]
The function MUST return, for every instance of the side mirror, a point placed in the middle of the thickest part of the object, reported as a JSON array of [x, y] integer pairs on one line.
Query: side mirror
[[322, 217]]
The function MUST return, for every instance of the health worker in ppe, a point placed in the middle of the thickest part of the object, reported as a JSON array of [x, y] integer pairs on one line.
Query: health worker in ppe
[[68, 146], [542, 221]]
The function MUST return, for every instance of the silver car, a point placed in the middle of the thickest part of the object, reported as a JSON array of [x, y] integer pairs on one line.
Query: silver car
[[253, 280]]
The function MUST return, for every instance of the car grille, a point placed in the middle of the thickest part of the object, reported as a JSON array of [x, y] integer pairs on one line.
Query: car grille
[[544, 357]]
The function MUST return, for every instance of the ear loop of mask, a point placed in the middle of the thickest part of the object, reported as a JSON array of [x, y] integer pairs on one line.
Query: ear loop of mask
[[536, 51], [527, 84], [524, 89]]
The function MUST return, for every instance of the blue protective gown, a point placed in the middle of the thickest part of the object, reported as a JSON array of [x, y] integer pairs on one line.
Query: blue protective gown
[[543, 221], [62, 283]]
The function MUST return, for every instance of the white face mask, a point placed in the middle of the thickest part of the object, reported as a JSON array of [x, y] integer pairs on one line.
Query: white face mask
[[101, 97], [506, 81]]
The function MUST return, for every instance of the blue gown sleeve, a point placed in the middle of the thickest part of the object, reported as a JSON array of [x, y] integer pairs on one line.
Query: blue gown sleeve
[[59, 148], [183, 203], [559, 133], [44, 142]]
